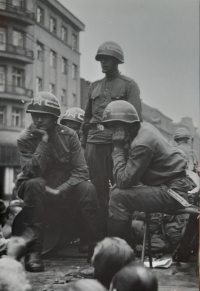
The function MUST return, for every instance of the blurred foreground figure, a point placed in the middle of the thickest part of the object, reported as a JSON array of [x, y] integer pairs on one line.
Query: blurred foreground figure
[[13, 276], [110, 255], [85, 285], [134, 277]]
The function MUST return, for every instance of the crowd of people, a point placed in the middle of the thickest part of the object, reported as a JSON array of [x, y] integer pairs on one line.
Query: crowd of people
[[108, 164]]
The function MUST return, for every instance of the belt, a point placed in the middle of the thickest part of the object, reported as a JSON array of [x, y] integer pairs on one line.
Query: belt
[[96, 126]]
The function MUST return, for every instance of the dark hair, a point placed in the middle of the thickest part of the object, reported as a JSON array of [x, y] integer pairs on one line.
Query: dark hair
[[135, 277], [110, 255]]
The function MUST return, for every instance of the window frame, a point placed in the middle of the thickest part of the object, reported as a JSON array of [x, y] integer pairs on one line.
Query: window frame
[[41, 20], [52, 26], [15, 77], [3, 113], [20, 115], [65, 35], [13, 38], [52, 59], [38, 82], [52, 88], [40, 58], [74, 71], [64, 66]]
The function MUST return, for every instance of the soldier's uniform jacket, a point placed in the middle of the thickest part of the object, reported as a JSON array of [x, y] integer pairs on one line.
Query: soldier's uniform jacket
[[101, 93], [59, 161], [150, 160]]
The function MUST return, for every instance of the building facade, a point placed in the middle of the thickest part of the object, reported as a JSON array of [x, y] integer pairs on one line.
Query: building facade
[[39, 51]]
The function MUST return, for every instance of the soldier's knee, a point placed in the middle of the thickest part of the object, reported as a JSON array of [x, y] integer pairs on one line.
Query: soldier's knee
[[116, 196], [34, 191]]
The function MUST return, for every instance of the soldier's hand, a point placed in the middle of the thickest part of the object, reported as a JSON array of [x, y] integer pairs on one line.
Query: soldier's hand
[[119, 138], [41, 133], [52, 193]]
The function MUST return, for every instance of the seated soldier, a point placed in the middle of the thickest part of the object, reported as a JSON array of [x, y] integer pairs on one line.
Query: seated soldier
[[73, 118], [134, 276], [83, 285], [141, 154], [110, 255], [54, 171]]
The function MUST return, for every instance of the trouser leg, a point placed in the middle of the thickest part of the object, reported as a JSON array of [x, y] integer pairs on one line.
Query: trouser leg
[[33, 192], [123, 202], [90, 211], [100, 167]]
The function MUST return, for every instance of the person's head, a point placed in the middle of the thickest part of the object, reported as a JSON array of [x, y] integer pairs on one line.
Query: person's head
[[110, 255], [181, 135], [85, 285], [134, 277], [110, 54], [12, 276], [45, 110], [121, 115], [73, 118]]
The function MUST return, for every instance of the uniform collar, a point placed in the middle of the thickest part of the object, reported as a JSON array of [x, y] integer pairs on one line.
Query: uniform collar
[[114, 75]]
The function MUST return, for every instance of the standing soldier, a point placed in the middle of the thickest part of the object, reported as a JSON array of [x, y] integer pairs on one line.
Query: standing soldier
[[181, 137], [99, 139], [54, 172]]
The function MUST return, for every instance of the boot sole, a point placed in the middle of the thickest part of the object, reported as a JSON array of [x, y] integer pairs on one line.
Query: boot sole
[[34, 270]]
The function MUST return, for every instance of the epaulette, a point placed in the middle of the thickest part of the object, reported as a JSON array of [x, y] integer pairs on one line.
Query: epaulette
[[126, 78]]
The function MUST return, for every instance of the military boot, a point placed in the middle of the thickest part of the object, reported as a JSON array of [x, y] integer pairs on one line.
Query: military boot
[[33, 219]]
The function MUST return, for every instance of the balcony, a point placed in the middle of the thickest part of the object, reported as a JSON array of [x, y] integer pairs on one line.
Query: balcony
[[18, 13], [15, 93], [10, 51]]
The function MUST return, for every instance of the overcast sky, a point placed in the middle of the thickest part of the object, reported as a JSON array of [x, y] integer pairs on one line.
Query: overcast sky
[[160, 40]]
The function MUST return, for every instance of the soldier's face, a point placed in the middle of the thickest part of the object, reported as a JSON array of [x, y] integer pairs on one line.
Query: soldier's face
[[72, 124], [117, 125], [108, 64], [44, 121]]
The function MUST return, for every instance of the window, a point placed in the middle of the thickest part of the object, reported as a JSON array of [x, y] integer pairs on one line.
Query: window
[[2, 79], [18, 38], [74, 71], [64, 66], [52, 59], [2, 39], [40, 51], [38, 85], [52, 25], [17, 77], [74, 42], [73, 99], [52, 88], [2, 4], [2, 115], [64, 33], [17, 117], [63, 96], [18, 3], [40, 15]]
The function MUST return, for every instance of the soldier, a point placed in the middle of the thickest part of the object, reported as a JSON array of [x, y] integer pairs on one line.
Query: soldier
[[141, 154], [181, 137], [99, 140], [73, 118], [54, 172]]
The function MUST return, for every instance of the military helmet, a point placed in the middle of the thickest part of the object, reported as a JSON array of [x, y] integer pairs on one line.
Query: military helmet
[[181, 133], [44, 102], [120, 110], [74, 114], [110, 48]]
